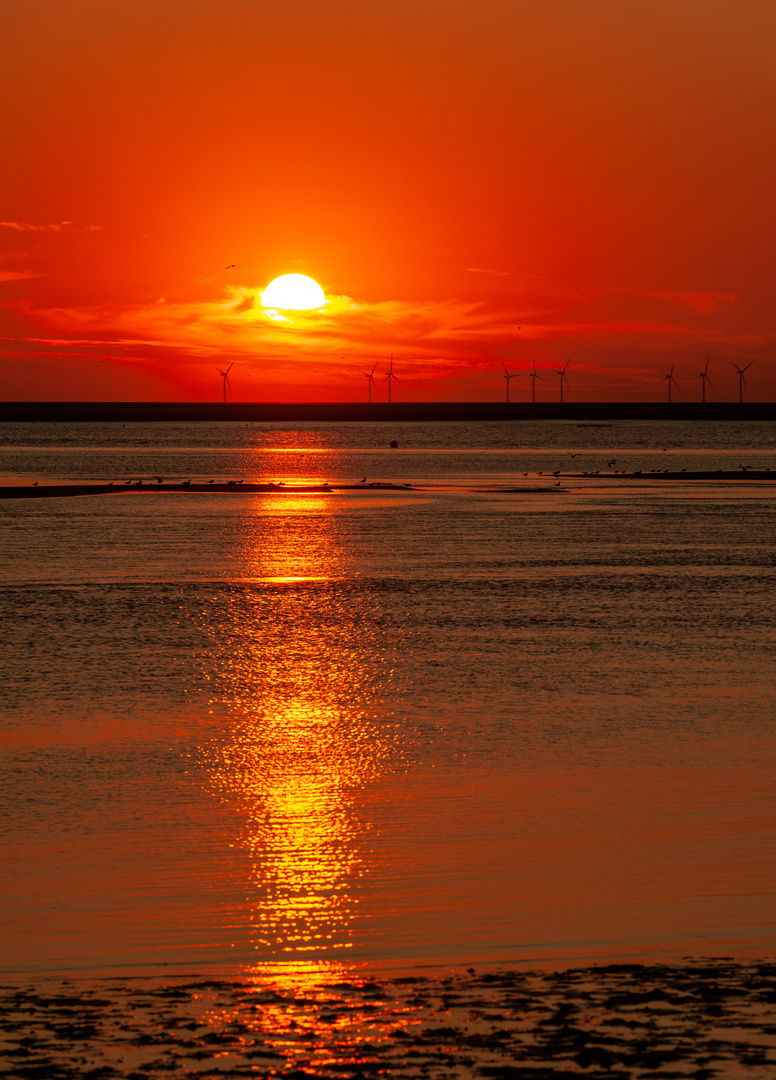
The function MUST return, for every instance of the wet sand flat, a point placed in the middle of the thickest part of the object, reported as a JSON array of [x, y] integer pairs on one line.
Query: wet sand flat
[[703, 1019]]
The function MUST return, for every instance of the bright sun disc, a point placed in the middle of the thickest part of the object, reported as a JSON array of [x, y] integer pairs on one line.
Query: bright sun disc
[[293, 292]]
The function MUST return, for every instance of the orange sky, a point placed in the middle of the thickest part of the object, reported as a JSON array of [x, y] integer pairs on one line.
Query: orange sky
[[471, 184]]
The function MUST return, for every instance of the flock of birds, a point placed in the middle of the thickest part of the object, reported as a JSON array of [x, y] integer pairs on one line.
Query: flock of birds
[[183, 483], [552, 472], [394, 444], [229, 483]]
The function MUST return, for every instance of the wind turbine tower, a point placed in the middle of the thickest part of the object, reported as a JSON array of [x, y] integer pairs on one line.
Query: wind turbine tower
[[533, 377], [390, 378], [225, 376], [370, 375], [563, 378], [704, 375], [508, 376], [741, 380], [671, 379]]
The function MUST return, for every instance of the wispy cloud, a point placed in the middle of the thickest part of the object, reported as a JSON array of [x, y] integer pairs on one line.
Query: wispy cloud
[[238, 323], [702, 303], [493, 273], [18, 275], [63, 226]]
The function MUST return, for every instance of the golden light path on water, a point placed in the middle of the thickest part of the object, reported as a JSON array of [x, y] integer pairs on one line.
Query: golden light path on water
[[312, 735], [302, 746]]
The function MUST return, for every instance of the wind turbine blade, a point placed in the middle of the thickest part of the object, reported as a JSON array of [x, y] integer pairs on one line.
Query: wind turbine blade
[[711, 384], [373, 369], [397, 380], [707, 365], [566, 364], [748, 365], [229, 368]]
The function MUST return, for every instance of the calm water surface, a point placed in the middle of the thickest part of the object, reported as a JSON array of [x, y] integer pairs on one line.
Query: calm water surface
[[452, 724]]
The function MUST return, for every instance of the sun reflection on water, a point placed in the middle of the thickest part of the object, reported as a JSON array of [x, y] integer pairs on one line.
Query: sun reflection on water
[[313, 1018], [298, 668], [291, 769]]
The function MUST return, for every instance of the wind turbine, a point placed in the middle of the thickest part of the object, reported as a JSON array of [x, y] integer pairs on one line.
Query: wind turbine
[[563, 378], [533, 377], [705, 376], [509, 375], [671, 379], [389, 378], [741, 380], [225, 376], [370, 380]]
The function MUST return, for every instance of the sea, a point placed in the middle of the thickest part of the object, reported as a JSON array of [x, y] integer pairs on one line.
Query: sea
[[517, 708]]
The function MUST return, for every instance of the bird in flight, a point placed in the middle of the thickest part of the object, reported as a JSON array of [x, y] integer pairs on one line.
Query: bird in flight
[[231, 266]]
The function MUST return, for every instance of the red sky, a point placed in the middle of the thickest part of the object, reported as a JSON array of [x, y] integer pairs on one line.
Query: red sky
[[472, 184]]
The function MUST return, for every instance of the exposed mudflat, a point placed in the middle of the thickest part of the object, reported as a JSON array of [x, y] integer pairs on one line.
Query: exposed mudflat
[[701, 1019]]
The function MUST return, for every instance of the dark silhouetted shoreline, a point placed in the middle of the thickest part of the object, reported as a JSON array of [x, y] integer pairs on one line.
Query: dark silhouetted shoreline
[[236, 487], [59, 491], [702, 1018], [382, 412]]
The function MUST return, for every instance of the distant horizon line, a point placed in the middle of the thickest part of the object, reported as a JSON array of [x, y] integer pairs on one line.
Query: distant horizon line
[[285, 403], [381, 411]]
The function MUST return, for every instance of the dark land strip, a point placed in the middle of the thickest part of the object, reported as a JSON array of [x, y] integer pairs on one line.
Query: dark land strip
[[235, 487], [378, 412], [58, 491], [727, 475], [710, 1020]]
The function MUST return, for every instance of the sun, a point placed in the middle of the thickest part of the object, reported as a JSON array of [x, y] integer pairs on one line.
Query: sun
[[293, 292]]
